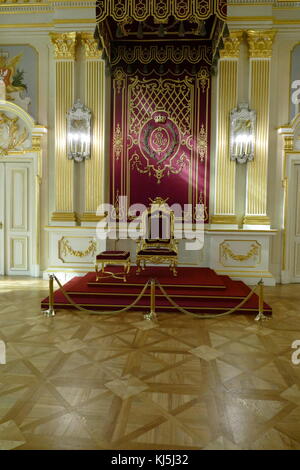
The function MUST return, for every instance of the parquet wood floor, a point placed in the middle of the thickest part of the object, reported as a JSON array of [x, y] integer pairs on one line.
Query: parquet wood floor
[[80, 381]]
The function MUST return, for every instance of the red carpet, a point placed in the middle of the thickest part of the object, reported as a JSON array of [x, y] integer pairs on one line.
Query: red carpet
[[199, 290]]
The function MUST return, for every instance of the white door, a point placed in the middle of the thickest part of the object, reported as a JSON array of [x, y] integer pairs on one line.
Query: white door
[[17, 208], [295, 223], [2, 216]]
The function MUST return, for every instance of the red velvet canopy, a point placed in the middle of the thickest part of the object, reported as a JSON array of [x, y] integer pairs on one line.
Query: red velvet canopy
[[161, 55]]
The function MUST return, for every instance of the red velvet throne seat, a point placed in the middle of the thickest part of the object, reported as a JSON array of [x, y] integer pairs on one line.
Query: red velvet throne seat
[[157, 244]]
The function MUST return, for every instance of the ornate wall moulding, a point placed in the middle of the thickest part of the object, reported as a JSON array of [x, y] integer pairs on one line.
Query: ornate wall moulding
[[72, 248], [14, 135], [240, 253]]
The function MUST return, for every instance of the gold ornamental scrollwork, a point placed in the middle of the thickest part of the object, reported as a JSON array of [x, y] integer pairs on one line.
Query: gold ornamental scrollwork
[[201, 210], [160, 10], [117, 142], [161, 55], [202, 144], [226, 252], [232, 44], [119, 79], [64, 45], [66, 249], [160, 170], [10, 139], [288, 142], [36, 142], [260, 43], [91, 49], [203, 77]]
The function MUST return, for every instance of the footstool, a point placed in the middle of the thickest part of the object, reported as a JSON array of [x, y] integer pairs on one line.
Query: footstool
[[113, 257]]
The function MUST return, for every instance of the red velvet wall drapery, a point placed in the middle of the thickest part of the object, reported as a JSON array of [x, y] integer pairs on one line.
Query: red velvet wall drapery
[[160, 143]]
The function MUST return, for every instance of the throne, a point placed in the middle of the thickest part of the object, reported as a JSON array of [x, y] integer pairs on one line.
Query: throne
[[157, 244]]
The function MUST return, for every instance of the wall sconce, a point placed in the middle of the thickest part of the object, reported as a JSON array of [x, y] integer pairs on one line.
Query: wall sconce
[[79, 132], [242, 133]]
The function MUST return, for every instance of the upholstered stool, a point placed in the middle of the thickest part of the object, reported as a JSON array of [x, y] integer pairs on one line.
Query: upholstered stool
[[113, 257]]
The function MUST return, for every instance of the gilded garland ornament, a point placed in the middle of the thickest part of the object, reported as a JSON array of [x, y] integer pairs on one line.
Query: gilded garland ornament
[[66, 249], [228, 253]]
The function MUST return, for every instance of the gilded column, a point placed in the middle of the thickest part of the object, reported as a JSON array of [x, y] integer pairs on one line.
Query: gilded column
[[224, 210], [95, 100], [64, 53], [260, 52]]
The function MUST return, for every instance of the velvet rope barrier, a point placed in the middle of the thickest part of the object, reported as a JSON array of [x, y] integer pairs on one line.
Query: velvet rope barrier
[[260, 315], [51, 312], [152, 314]]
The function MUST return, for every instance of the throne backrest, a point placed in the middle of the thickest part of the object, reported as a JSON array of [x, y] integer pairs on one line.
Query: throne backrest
[[158, 225]]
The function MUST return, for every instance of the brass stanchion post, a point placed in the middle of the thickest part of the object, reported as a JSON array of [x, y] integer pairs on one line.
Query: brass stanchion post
[[152, 314], [260, 315], [50, 312]]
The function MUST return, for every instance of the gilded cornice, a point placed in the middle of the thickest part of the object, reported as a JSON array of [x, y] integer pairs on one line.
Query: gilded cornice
[[260, 43], [90, 46], [232, 45], [64, 45]]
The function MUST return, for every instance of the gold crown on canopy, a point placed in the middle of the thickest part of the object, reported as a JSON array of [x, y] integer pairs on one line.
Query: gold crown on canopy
[[160, 118]]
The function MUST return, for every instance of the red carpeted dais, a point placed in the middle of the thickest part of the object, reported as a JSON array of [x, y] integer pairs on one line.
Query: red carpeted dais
[[199, 290]]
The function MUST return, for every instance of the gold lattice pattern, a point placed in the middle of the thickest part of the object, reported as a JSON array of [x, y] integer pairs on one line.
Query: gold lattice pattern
[[174, 97]]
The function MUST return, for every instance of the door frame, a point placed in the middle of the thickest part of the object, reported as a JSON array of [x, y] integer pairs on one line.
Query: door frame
[[33, 159], [31, 154]]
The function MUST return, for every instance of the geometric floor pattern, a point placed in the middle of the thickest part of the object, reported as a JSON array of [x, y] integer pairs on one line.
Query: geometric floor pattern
[[80, 381]]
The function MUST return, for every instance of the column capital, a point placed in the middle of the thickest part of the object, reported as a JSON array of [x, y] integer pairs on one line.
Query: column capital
[[260, 43], [64, 45], [232, 43], [90, 46]]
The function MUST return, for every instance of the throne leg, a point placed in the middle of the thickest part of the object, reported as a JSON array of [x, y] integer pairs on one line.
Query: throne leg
[[174, 264]]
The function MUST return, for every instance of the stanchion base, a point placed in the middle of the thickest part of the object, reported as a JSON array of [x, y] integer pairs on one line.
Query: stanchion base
[[49, 313], [260, 316], [150, 316]]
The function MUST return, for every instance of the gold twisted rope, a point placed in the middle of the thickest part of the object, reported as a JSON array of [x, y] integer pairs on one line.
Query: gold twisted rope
[[205, 315], [101, 312]]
